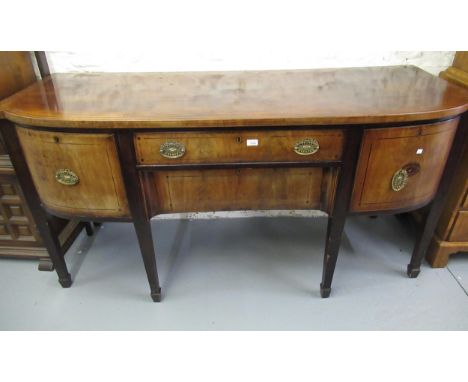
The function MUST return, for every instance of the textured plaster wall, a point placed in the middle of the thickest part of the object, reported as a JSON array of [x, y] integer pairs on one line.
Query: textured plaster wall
[[160, 60], [228, 58]]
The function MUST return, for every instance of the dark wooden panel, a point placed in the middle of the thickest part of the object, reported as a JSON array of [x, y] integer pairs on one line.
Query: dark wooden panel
[[385, 151], [457, 196], [42, 63], [219, 99], [465, 197]]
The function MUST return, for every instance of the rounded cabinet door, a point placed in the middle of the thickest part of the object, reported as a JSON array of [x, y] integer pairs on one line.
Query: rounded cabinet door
[[75, 174], [400, 167]]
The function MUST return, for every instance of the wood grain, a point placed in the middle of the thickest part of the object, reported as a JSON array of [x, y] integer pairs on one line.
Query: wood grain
[[93, 157], [384, 151], [457, 198], [460, 227], [231, 190], [440, 250], [252, 98], [16, 72], [458, 72], [213, 147], [451, 234]]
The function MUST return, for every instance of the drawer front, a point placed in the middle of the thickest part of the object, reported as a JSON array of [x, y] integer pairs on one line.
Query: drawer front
[[460, 227], [238, 189], [242, 146], [75, 174], [400, 168]]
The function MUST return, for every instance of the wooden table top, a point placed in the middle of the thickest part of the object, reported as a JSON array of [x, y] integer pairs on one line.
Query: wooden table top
[[247, 98]]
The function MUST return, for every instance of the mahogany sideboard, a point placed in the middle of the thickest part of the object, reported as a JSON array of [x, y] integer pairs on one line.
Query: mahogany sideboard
[[129, 146], [19, 237]]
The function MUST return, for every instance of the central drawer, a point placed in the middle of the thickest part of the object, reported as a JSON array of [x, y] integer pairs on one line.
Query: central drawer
[[240, 146]]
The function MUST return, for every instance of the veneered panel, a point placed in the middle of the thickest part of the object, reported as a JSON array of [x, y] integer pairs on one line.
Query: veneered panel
[[423, 149], [242, 146], [243, 189], [92, 157]]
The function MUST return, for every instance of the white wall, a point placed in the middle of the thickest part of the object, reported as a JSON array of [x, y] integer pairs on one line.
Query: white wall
[[169, 58]]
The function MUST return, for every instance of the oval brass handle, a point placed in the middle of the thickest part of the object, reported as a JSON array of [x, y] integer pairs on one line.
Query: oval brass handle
[[66, 177], [400, 179], [307, 146], [172, 150]]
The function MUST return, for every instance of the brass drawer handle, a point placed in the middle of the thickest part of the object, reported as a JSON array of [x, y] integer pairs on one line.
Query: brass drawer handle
[[172, 150], [307, 146], [66, 177], [399, 179]]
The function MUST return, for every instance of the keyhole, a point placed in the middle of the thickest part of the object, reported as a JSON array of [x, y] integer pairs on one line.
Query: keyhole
[[238, 140]]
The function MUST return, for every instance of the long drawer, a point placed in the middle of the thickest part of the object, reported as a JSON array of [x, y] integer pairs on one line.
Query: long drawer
[[241, 146]]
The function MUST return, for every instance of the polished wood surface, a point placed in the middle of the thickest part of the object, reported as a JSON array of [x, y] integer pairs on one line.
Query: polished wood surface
[[252, 98], [240, 146], [108, 130], [385, 151], [92, 157]]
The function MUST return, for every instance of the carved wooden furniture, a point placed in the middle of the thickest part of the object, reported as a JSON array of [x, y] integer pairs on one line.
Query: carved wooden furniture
[[126, 147], [452, 230], [19, 237]]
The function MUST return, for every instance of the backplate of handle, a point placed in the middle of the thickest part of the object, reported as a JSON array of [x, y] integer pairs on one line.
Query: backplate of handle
[[172, 150], [307, 146], [399, 179], [66, 177]]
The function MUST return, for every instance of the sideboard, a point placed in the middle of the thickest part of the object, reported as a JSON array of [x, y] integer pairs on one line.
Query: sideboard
[[129, 146]]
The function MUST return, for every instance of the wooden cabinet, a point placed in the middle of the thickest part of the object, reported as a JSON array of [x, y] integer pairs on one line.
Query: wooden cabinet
[[451, 235], [460, 227], [75, 174], [401, 167], [452, 230]]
